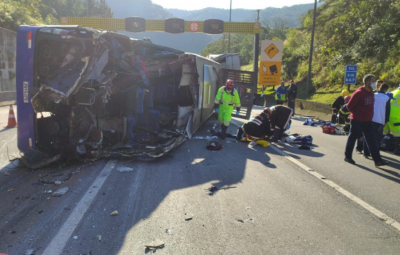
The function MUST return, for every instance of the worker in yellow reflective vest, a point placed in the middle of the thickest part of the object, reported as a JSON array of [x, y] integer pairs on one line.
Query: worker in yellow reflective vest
[[226, 100], [393, 126]]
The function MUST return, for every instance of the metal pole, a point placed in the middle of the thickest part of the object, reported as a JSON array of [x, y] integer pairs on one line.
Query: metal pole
[[256, 53], [87, 3], [311, 49], [229, 40]]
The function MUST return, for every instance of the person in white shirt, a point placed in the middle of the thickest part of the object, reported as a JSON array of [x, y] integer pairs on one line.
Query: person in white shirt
[[381, 116]]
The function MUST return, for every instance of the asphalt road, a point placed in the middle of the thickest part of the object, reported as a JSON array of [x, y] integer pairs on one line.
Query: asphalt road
[[265, 204]]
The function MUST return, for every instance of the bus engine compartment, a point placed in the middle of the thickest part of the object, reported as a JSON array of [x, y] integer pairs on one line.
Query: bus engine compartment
[[102, 94]]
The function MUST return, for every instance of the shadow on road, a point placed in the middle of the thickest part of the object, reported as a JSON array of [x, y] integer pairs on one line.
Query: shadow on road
[[138, 195]]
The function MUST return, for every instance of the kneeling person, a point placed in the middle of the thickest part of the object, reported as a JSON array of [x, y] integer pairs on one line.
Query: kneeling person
[[257, 128], [280, 120]]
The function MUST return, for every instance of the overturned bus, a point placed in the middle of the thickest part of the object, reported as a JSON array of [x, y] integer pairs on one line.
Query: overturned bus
[[88, 94]]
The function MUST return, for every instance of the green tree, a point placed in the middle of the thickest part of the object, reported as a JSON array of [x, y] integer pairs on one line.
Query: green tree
[[14, 13]]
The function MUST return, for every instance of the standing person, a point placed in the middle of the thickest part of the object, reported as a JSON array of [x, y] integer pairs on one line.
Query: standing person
[[292, 94], [344, 113], [226, 100], [393, 125], [381, 116], [280, 95], [337, 104], [361, 106], [378, 85]]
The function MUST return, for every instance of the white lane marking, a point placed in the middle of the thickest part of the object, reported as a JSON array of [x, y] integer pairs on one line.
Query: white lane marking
[[344, 192], [58, 243], [339, 189]]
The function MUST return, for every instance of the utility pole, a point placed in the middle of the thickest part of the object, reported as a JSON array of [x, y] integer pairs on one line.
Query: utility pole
[[311, 49], [256, 52], [230, 18]]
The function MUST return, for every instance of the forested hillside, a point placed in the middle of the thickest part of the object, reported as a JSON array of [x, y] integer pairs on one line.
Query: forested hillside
[[14, 13], [290, 15], [359, 32]]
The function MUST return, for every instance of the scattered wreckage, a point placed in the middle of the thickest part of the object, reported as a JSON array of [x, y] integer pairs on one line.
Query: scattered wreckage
[[82, 91]]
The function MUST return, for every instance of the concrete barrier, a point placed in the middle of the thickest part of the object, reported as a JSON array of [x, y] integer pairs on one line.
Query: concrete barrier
[[8, 97], [303, 107], [317, 110]]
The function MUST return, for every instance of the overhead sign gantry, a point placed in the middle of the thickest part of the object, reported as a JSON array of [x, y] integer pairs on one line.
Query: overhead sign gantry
[[173, 25]]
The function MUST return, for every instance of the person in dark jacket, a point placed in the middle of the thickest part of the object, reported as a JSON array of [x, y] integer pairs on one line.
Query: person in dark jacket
[[381, 115], [361, 106], [292, 94], [344, 113], [257, 128], [272, 121], [337, 104], [280, 120]]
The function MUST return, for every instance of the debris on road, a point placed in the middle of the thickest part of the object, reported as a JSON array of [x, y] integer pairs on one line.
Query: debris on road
[[99, 238], [7, 174], [9, 190], [246, 220], [57, 183], [253, 144], [114, 213], [214, 189], [209, 138], [60, 192], [304, 147], [123, 169], [53, 177], [49, 191], [214, 145], [262, 143], [189, 219], [168, 231], [30, 252], [153, 246], [75, 237]]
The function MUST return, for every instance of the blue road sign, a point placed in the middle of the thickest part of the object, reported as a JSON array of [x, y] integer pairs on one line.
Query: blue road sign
[[350, 76]]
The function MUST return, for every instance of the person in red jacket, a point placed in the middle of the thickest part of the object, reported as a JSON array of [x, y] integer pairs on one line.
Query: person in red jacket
[[361, 106]]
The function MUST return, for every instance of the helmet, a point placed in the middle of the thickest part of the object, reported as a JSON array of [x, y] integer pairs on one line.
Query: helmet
[[346, 98], [345, 92], [229, 83], [267, 110]]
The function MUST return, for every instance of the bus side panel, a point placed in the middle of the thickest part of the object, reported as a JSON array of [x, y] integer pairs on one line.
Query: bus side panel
[[26, 120]]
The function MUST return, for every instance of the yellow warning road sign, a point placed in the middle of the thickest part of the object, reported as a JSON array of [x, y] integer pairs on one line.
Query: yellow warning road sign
[[270, 72], [271, 50]]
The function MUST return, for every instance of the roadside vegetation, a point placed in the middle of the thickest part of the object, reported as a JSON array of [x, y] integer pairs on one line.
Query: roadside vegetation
[[348, 32], [14, 13]]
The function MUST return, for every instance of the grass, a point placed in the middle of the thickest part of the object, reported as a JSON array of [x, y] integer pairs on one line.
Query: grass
[[324, 95]]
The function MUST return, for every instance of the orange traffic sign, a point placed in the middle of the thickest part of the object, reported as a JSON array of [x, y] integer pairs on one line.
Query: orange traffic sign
[[270, 73], [271, 50]]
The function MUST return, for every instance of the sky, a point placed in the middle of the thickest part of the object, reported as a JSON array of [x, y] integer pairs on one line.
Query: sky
[[225, 4]]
